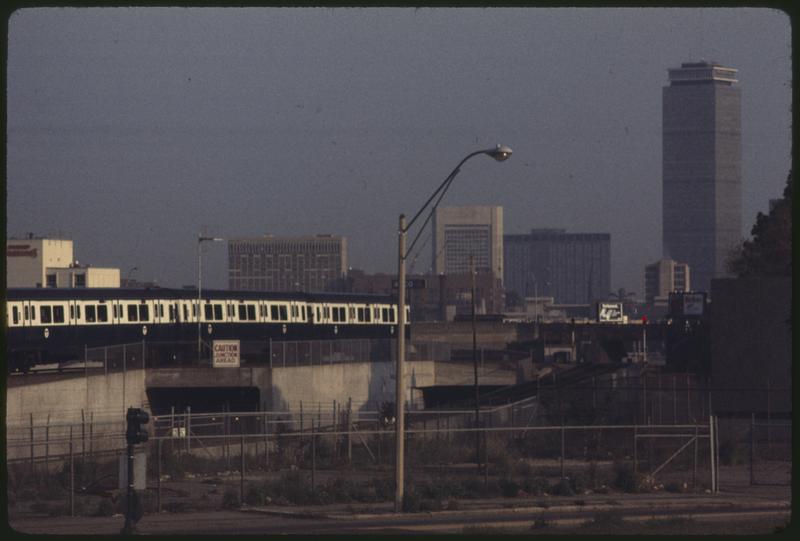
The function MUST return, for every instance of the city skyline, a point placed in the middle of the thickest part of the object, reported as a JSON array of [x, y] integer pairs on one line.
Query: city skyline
[[130, 131]]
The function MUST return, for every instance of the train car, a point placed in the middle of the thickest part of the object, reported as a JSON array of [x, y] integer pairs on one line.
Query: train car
[[55, 325]]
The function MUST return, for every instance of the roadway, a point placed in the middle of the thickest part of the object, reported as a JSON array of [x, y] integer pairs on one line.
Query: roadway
[[716, 513]]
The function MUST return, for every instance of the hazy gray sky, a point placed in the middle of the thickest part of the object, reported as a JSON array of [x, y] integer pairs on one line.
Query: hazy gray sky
[[132, 129]]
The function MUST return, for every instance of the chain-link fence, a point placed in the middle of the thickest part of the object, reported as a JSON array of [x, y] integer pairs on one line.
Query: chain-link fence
[[759, 448], [334, 454]]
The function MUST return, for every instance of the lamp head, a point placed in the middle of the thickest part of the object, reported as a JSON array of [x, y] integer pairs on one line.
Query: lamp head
[[499, 153]]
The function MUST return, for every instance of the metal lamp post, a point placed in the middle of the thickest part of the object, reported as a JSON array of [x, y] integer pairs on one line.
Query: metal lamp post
[[200, 240], [499, 153]]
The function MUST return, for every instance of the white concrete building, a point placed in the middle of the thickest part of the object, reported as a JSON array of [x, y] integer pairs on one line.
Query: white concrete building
[[39, 262], [461, 232]]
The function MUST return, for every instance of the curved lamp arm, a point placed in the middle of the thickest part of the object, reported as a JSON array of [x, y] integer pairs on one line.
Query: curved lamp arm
[[499, 153]]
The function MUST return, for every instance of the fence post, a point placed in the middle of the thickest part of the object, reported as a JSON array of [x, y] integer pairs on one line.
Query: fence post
[[752, 446], [71, 478], [266, 442], [349, 431], [313, 455], [171, 428], [486, 453], [562, 451], [241, 472], [716, 452], [83, 435], [188, 428], [47, 445], [301, 420], [91, 436], [635, 449], [158, 474], [711, 451], [694, 462], [32, 452]]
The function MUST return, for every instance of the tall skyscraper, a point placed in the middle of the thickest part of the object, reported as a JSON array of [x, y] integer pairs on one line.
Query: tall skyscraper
[[573, 268], [270, 263], [461, 232], [702, 178]]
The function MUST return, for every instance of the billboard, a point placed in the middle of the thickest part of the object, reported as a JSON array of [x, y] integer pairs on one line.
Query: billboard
[[687, 304], [694, 304], [226, 354], [609, 312]]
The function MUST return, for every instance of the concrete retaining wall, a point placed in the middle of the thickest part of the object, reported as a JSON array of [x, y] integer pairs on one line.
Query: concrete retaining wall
[[107, 397]]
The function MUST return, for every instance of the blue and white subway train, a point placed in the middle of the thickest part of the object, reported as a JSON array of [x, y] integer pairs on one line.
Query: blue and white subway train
[[47, 325]]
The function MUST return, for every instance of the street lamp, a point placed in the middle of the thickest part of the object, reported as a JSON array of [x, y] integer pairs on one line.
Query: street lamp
[[499, 153], [200, 240]]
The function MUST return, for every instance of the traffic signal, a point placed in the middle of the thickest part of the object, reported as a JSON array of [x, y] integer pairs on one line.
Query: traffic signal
[[135, 432]]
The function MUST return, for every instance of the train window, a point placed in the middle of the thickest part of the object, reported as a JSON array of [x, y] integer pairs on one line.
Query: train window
[[341, 314], [309, 314], [273, 312], [144, 312], [47, 314], [185, 313], [133, 313], [294, 311], [90, 314], [58, 314], [335, 314], [393, 312], [218, 311], [242, 312], [26, 313], [352, 313], [102, 313], [71, 311], [284, 313], [367, 313], [207, 311], [318, 318], [251, 312], [376, 313], [361, 314], [78, 311], [33, 312], [384, 315], [15, 314], [161, 310]]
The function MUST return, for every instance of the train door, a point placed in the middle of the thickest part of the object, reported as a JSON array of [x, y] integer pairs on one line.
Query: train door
[[28, 314]]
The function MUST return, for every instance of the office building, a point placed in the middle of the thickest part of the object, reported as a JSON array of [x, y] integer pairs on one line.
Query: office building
[[662, 278], [40, 262], [434, 297], [462, 232], [271, 263], [702, 179], [573, 268]]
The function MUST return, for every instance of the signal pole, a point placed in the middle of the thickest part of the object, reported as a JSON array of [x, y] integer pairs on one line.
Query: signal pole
[[134, 434]]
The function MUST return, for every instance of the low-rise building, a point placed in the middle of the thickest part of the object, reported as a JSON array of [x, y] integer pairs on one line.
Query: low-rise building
[[41, 262]]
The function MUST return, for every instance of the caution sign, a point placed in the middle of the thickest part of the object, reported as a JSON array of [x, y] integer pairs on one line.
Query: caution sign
[[226, 354]]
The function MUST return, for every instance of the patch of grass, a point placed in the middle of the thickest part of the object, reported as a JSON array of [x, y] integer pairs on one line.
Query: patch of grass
[[669, 522], [484, 529]]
